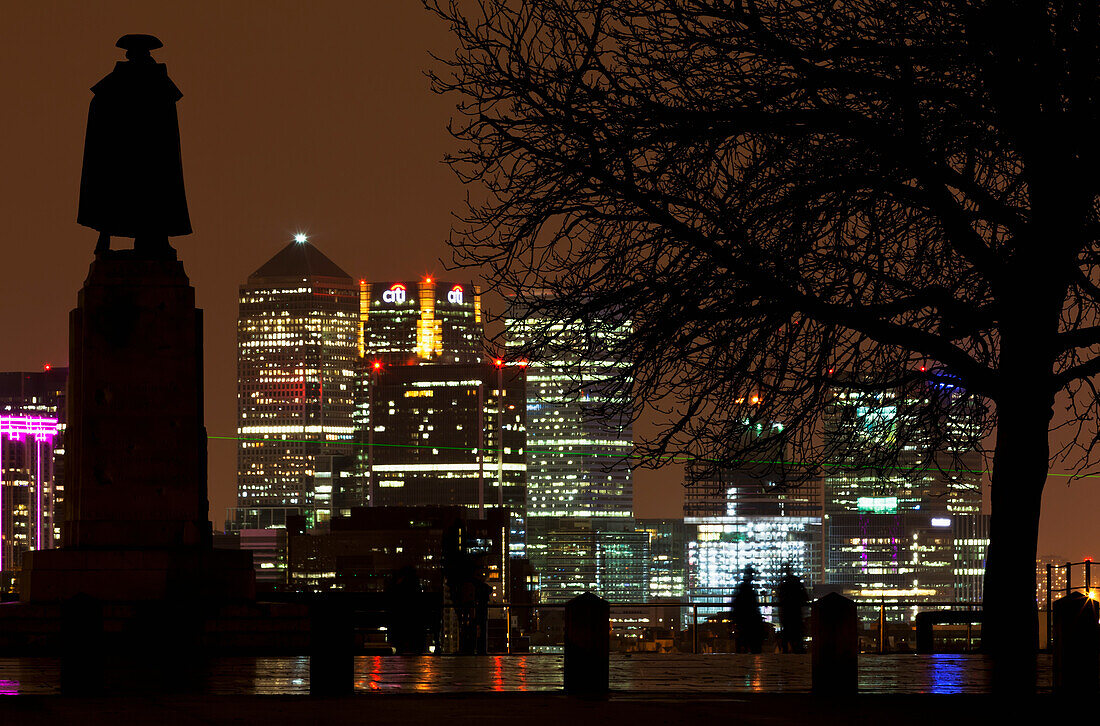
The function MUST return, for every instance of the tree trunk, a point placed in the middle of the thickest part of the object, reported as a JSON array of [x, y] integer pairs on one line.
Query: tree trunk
[[1021, 459]]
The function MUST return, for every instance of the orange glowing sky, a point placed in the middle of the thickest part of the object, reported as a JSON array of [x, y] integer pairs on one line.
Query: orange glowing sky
[[312, 117]]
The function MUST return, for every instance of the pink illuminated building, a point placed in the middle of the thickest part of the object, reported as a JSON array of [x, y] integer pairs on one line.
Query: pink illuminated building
[[26, 489]]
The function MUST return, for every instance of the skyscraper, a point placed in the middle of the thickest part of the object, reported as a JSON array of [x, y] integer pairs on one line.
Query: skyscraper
[[902, 498], [444, 435], [423, 378], [41, 394], [581, 554], [297, 351], [26, 490], [668, 539], [748, 516], [578, 452], [407, 330], [34, 393], [420, 321], [579, 463]]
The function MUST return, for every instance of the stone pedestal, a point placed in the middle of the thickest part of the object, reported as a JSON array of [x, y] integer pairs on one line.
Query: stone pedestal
[[135, 525], [136, 444]]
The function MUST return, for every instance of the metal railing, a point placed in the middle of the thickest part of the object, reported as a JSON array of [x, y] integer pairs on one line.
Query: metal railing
[[880, 634], [1086, 588], [541, 625], [691, 628]]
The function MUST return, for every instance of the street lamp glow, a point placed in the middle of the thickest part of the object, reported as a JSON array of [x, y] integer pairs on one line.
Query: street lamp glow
[[301, 238]]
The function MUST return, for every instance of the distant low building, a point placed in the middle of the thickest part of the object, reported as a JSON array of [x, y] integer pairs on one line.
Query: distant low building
[[363, 551], [269, 555], [1057, 565], [332, 476], [441, 557], [262, 531]]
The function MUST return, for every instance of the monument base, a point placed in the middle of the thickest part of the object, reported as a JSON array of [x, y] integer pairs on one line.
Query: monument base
[[158, 630], [136, 606], [120, 575]]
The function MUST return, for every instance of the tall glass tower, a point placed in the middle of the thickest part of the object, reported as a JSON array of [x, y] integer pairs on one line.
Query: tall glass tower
[[417, 339], [443, 435], [297, 350], [578, 456], [902, 498]]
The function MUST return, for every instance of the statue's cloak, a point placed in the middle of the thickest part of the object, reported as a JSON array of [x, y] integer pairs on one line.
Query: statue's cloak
[[132, 180]]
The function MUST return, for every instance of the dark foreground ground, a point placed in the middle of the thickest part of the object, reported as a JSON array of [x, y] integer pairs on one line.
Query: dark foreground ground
[[534, 709]]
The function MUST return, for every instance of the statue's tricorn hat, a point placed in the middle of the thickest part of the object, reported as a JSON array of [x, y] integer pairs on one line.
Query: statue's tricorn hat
[[139, 42]]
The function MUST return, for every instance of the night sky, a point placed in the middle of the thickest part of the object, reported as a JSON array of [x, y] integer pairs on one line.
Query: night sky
[[313, 117]]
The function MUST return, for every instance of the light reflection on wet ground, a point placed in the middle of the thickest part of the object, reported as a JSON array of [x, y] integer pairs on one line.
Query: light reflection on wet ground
[[714, 673]]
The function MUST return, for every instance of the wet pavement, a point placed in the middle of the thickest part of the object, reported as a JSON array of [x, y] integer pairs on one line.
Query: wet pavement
[[638, 673]]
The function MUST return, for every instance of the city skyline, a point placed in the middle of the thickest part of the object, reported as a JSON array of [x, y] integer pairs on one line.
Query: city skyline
[[781, 263], [245, 208]]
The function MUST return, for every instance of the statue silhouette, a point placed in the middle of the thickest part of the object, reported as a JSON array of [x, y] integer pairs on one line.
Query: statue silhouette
[[131, 184]]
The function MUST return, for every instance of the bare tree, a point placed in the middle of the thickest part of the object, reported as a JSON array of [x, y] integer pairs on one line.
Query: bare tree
[[786, 196]]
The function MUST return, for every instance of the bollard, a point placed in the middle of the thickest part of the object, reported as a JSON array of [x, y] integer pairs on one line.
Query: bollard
[[82, 647], [587, 645], [835, 646], [1076, 645], [925, 633], [332, 650]]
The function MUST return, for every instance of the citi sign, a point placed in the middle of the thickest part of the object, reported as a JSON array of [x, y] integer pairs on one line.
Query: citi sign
[[454, 295], [395, 294]]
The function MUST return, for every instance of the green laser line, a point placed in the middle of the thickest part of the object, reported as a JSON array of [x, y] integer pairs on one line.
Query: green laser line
[[674, 458]]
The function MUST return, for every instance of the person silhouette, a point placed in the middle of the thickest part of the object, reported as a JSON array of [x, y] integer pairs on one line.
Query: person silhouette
[[747, 620], [406, 617], [791, 597]]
